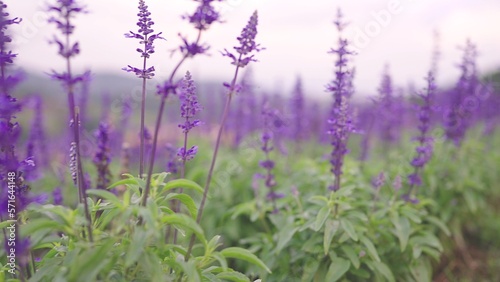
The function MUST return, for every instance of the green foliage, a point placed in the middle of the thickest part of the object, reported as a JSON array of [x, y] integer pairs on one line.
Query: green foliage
[[131, 242]]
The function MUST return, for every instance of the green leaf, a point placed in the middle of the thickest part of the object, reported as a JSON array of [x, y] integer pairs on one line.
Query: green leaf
[[437, 222], [421, 271], [411, 213], [128, 181], [284, 236], [233, 276], [106, 217], [136, 247], [321, 218], [370, 247], [337, 269], [403, 230], [349, 228], [471, 200], [6, 223], [351, 254], [187, 201], [186, 222], [90, 262], [243, 254], [427, 239], [243, 208], [331, 228], [182, 183], [106, 195], [319, 200], [383, 269], [192, 273], [41, 224], [310, 270]]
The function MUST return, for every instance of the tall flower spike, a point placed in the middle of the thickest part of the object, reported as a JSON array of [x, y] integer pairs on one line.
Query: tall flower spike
[[102, 158], [146, 38], [270, 116], [65, 11], [297, 105], [204, 15], [340, 120], [189, 104], [189, 108], [424, 148], [247, 36], [387, 109], [247, 44]]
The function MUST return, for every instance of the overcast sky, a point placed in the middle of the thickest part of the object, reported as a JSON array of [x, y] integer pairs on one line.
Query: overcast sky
[[296, 34]]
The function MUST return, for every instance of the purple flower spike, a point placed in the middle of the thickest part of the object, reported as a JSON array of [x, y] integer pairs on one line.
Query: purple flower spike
[[424, 149], [270, 116], [189, 109], [102, 158], [340, 121], [378, 181], [204, 15], [187, 155], [247, 44], [57, 196], [146, 39], [189, 104]]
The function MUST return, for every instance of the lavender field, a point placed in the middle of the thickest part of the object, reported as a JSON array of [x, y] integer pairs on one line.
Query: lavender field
[[168, 172]]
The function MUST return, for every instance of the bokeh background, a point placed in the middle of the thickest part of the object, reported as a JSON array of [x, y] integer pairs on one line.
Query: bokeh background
[[297, 35]]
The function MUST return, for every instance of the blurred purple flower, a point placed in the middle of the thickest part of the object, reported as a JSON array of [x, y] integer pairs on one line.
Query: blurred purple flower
[[458, 115], [57, 196], [424, 148], [204, 15], [187, 155], [102, 158], [269, 116], [65, 11], [378, 181], [172, 163]]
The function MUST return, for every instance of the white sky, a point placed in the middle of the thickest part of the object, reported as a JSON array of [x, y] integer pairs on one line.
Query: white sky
[[297, 35]]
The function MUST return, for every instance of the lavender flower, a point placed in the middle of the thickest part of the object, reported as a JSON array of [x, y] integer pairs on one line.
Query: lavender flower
[[146, 39], [172, 163], [6, 56], [378, 181], [11, 170], [189, 104], [66, 10], [297, 106], [340, 120], [269, 116], [247, 44], [387, 107], [57, 196], [458, 115], [425, 141], [102, 158], [204, 15]]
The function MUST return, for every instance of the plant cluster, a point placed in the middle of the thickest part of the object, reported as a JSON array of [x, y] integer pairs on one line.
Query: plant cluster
[[292, 190]]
